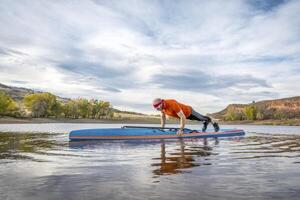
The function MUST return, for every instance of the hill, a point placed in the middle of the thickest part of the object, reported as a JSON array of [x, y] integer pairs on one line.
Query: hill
[[18, 93], [278, 109]]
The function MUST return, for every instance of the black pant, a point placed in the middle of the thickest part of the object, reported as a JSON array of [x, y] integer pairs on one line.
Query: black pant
[[197, 116]]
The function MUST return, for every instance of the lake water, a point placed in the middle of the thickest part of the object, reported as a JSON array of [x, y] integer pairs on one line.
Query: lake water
[[37, 161]]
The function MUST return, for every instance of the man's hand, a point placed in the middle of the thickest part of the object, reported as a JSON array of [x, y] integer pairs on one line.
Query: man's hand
[[179, 132]]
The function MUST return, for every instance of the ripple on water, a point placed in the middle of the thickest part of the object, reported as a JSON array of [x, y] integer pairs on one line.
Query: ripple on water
[[250, 166], [265, 145]]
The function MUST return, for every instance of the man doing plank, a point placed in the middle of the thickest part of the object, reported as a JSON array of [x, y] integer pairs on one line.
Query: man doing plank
[[173, 108]]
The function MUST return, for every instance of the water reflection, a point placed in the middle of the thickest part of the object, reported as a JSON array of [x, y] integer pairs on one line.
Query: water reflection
[[181, 158], [175, 156], [23, 146]]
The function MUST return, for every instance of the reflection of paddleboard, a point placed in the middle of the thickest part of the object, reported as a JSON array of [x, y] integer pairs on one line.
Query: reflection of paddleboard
[[137, 133]]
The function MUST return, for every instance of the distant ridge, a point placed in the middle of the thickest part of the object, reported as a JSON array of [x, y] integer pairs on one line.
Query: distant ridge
[[17, 93], [285, 108]]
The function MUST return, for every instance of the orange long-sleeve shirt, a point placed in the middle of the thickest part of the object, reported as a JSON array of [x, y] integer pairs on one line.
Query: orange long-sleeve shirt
[[171, 107]]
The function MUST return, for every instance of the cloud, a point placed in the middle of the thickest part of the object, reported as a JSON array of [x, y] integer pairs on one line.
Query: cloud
[[199, 81], [111, 89], [10, 52], [266, 6], [131, 51], [19, 82], [89, 68]]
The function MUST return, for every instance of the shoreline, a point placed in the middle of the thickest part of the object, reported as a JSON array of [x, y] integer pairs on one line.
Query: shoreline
[[11, 120], [290, 122]]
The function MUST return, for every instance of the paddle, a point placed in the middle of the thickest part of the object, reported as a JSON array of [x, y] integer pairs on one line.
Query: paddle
[[153, 127]]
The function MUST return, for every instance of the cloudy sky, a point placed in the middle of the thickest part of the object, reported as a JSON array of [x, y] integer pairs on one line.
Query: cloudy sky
[[204, 53]]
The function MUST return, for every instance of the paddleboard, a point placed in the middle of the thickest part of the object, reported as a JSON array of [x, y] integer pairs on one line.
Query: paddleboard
[[142, 133]]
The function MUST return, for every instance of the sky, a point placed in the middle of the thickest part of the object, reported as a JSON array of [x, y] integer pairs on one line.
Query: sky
[[207, 54]]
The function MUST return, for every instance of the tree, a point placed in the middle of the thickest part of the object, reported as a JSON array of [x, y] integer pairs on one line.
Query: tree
[[56, 109], [41, 104], [70, 109], [251, 112], [7, 105], [83, 107], [93, 108], [104, 109]]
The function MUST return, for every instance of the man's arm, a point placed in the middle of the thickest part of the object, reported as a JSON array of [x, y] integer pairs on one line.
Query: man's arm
[[182, 119], [163, 120]]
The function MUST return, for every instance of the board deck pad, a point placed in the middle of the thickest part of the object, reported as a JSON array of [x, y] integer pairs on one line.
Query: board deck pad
[[148, 133]]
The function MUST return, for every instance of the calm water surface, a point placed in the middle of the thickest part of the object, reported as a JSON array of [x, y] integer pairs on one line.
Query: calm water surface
[[37, 161]]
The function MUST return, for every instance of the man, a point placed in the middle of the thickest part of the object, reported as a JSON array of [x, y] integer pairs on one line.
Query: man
[[173, 108]]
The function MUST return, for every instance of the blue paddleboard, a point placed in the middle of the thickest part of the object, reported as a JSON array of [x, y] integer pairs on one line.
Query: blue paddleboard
[[142, 133]]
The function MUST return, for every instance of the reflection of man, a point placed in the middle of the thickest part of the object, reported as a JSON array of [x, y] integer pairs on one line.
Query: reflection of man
[[173, 108], [183, 158], [175, 162]]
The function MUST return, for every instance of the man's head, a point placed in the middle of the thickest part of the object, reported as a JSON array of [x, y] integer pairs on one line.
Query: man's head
[[158, 103]]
